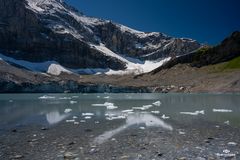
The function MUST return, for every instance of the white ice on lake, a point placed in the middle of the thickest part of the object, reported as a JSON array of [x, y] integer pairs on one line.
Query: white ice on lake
[[222, 110], [46, 97], [87, 114], [157, 103], [193, 113], [165, 117], [155, 112], [108, 105], [73, 102], [88, 117], [67, 110]]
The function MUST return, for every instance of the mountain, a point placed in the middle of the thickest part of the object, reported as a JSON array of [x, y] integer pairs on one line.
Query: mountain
[[50, 35], [48, 46], [227, 50]]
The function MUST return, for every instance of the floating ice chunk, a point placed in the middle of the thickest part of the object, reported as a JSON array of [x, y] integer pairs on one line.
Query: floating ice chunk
[[108, 105], [127, 111], [107, 97], [144, 107], [88, 117], [76, 123], [67, 110], [155, 112], [75, 96], [98, 97], [75, 117], [232, 143], [46, 97], [111, 107], [98, 105], [157, 103], [193, 113], [142, 128], [110, 115], [82, 121], [138, 108], [87, 114], [73, 102], [222, 110], [165, 117], [70, 120], [65, 98], [114, 118], [227, 122], [147, 106]]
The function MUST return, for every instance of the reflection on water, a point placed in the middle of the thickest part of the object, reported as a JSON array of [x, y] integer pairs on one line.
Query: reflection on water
[[55, 117], [134, 119], [25, 109]]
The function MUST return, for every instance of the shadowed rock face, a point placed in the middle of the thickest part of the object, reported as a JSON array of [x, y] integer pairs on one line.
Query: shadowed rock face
[[36, 36]]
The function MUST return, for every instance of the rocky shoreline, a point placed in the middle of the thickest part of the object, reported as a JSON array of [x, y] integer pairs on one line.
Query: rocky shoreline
[[69, 141]]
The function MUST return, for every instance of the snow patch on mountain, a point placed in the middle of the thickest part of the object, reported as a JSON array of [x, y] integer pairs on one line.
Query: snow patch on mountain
[[50, 67], [54, 68], [136, 32]]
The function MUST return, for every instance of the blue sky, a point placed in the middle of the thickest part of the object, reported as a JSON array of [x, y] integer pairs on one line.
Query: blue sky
[[208, 21]]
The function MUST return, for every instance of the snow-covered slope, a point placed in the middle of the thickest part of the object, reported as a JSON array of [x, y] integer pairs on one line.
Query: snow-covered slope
[[53, 68]]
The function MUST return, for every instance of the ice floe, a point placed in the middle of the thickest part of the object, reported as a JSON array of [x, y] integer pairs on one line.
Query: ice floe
[[67, 110], [155, 112], [88, 117], [144, 107], [111, 107], [222, 110], [73, 102], [108, 105], [82, 121], [107, 97], [127, 111], [165, 117], [157, 103], [46, 97], [87, 114], [110, 118], [65, 98], [70, 120], [193, 113], [227, 122]]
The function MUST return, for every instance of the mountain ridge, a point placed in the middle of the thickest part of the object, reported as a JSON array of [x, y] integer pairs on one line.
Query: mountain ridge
[[52, 30]]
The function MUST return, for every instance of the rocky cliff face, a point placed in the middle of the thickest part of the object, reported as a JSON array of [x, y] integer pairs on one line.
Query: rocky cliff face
[[50, 30]]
